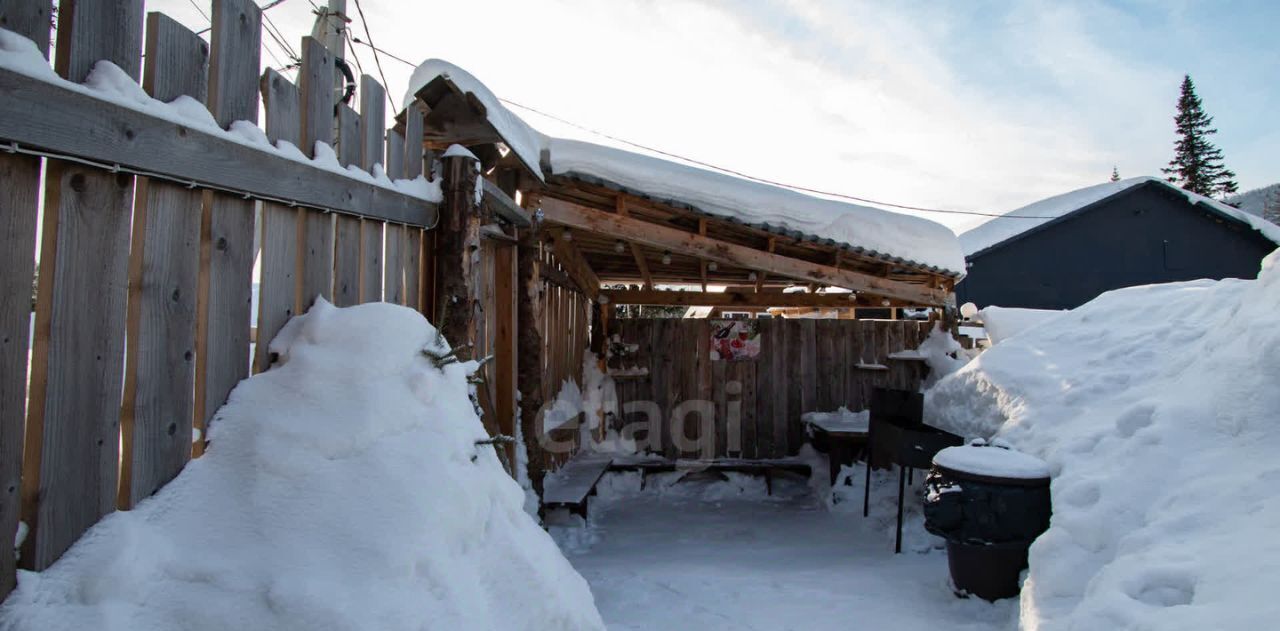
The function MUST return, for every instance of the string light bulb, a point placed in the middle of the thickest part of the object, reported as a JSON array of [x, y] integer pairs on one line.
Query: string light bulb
[[666, 258], [619, 247]]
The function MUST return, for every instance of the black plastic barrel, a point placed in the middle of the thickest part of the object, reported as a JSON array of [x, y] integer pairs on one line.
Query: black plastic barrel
[[989, 503]]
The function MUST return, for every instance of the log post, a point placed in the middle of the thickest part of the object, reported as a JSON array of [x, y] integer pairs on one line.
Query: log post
[[529, 352], [458, 306]]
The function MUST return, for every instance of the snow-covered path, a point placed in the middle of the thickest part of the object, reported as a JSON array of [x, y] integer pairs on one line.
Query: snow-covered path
[[671, 561]]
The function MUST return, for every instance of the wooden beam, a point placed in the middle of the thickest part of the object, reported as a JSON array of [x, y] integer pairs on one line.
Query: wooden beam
[[574, 265], [658, 236], [736, 299], [43, 115], [501, 204], [761, 274], [636, 252], [702, 263]]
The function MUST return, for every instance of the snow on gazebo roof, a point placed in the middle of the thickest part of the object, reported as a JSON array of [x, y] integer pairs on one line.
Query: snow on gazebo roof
[[868, 231], [1000, 229]]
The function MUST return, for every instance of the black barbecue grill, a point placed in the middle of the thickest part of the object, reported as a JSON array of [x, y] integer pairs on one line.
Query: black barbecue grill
[[898, 435]]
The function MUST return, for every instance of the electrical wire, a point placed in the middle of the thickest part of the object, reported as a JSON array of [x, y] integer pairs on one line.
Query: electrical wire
[[376, 60], [714, 167]]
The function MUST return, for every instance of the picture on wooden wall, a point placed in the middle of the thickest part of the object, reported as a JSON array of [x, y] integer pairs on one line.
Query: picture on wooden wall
[[735, 340]]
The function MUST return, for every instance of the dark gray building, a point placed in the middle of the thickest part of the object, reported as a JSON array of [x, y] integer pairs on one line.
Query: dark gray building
[[1062, 252]]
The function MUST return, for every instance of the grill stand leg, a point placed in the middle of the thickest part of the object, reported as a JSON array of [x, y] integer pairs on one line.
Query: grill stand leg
[[897, 546], [866, 488]]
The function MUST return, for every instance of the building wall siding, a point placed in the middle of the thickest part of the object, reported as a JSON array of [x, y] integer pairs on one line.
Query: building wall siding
[[1143, 236]]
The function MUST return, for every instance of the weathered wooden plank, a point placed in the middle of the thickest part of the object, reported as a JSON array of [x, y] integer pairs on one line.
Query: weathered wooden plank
[[109, 30], [20, 176], [70, 464], [47, 116], [346, 261], [373, 104], [371, 260], [809, 380], [28, 18], [227, 235], [19, 188], [350, 141], [156, 414], [413, 140], [72, 440], [277, 290], [393, 265], [235, 33], [317, 257], [771, 388], [284, 108], [315, 86], [395, 155], [413, 268], [504, 342]]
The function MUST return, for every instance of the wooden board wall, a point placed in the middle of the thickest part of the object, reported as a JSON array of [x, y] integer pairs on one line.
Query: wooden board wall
[[803, 366]]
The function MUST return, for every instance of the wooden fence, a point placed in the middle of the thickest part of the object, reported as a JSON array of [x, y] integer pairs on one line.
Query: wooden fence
[[804, 366], [142, 319], [566, 325]]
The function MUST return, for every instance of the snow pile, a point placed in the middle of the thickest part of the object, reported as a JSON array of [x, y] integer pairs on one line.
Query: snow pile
[[1156, 410], [842, 420], [343, 490], [875, 231], [1003, 323], [943, 354], [996, 231], [982, 459], [522, 139], [108, 82]]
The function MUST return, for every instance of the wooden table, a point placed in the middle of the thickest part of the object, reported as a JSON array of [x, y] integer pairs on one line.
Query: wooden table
[[843, 442]]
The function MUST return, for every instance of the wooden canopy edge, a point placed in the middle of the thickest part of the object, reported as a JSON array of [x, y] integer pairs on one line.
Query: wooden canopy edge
[[745, 299], [774, 229], [654, 235], [60, 120], [503, 206], [442, 87]]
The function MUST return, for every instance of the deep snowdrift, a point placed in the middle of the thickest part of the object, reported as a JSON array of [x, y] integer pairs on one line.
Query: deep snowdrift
[[1158, 411], [342, 490]]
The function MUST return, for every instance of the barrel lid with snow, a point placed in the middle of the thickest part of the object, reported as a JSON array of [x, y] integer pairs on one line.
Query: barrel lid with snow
[[992, 463]]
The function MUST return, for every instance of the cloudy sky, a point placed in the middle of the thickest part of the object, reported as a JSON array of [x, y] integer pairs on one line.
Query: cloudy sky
[[974, 105]]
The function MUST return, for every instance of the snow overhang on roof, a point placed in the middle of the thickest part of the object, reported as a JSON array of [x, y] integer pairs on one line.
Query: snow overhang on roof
[[1023, 220], [880, 234], [871, 232], [523, 141]]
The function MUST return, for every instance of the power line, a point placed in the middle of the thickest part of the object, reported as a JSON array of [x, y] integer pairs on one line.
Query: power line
[[714, 167], [376, 60], [199, 10]]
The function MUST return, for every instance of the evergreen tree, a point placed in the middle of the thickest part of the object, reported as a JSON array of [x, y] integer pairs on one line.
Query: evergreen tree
[[1115, 174], [1271, 209], [1197, 163]]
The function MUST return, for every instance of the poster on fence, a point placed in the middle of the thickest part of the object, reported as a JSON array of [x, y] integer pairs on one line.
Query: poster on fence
[[735, 340]]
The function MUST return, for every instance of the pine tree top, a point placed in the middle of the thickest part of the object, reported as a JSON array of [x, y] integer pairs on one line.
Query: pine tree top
[[1197, 164]]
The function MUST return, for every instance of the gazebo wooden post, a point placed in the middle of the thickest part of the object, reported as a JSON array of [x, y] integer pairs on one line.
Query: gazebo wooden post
[[457, 248], [529, 349]]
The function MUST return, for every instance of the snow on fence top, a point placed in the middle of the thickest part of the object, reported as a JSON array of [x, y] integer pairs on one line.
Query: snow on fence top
[[998, 230], [865, 230]]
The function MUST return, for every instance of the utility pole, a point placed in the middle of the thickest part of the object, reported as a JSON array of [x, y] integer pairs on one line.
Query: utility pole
[[331, 27]]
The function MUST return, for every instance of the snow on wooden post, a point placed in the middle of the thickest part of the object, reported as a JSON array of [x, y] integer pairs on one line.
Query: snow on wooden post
[[458, 246]]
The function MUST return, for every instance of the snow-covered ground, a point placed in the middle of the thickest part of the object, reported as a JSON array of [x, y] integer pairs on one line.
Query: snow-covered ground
[[342, 489], [1158, 411], [710, 554]]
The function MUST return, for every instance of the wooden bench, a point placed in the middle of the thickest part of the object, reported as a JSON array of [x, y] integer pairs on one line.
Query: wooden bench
[[767, 468], [573, 484]]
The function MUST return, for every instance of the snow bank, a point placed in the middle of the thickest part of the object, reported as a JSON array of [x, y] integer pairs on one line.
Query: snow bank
[[874, 231], [342, 490], [997, 230], [1002, 323], [1156, 410]]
